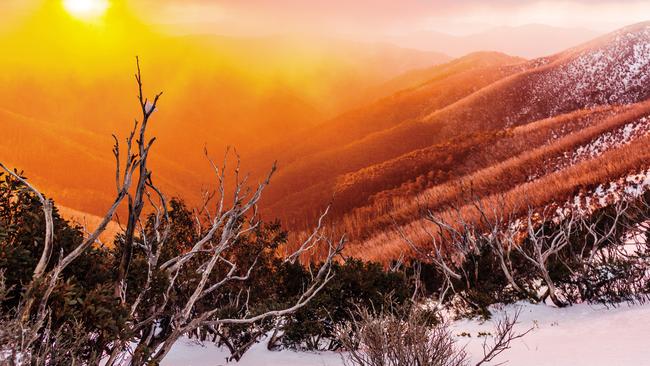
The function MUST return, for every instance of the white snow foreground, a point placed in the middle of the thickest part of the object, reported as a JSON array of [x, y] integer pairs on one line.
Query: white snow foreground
[[189, 353], [579, 335]]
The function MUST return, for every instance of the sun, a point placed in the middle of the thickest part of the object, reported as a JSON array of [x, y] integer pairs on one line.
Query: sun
[[86, 9]]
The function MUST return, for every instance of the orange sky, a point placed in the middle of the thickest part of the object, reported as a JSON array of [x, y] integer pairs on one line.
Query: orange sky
[[370, 18], [375, 17], [365, 19]]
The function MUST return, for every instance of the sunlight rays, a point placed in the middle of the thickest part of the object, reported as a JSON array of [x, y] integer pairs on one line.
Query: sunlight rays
[[86, 9]]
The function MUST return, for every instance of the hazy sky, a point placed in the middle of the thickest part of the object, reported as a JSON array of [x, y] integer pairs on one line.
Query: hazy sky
[[370, 19], [379, 17]]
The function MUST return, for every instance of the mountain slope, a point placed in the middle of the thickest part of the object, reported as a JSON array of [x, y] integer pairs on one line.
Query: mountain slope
[[304, 159], [435, 88], [218, 91], [589, 86]]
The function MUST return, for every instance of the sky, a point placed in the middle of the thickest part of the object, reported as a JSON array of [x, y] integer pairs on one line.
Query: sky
[[374, 20], [367, 18]]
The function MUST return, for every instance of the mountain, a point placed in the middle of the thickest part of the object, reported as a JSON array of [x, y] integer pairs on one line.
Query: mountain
[[316, 156], [544, 130], [218, 91], [415, 78], [334, 74], [434, 88], [498, 134], [532, 40]]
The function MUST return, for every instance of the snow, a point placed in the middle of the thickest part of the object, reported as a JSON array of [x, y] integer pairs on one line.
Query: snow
[[189, 353], [614, 71], [589, 335], [611, 140], [626, 188], [580, 335], [605, 142]]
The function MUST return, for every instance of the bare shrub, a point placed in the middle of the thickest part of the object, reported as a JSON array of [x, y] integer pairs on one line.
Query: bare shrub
[[386, 339], [504, 334], [563, 253], [416, 337]]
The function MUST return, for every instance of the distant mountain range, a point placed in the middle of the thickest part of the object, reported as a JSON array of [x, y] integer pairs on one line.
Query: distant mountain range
[[529, 41]]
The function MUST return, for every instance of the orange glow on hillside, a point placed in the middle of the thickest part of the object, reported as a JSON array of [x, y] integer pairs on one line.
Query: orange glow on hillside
[[371, 124], [68, 85]]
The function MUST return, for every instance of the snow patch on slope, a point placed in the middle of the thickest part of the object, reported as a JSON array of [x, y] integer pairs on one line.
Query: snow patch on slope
[[610, 140], [626, 188], [616, 71]]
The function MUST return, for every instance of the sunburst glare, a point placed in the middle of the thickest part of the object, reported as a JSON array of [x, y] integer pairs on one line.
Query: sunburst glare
[[86, 9]]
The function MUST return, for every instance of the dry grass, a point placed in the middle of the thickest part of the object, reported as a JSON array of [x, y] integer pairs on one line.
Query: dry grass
[[372, 227], [555, 187], [501, 175], [425, 139], [311, 164]]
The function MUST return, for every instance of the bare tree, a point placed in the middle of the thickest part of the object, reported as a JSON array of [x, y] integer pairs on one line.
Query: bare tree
[[418, 338], [587, 244], [135, 200], [609, 263], [545, 240], [232, 217], [44, 281], [438, 254]]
